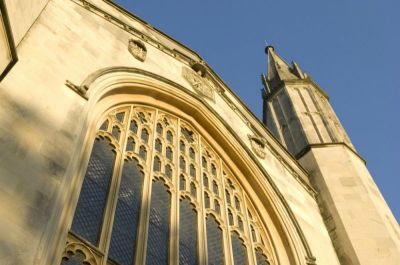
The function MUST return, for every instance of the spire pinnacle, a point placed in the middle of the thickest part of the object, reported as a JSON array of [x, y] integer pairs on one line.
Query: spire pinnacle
[[278, 69]]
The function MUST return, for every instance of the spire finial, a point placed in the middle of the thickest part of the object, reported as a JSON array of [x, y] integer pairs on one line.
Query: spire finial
[[268, 47]]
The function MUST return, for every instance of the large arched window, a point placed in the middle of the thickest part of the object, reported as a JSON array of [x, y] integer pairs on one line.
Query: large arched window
[[156, 192]]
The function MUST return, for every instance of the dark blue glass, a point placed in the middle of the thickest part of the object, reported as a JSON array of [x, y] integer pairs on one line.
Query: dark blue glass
[[193, 189], [230, 217], [214, 242], [206, 200], [120, 116], [133, 127], [126, 220], [182, 146], [130, 146], [192, 153], [104, 126], [188, 241], [116, 132], [143, 152], [182, 182], [260, 258], [158, 235], [192, 171], [156, 164], [169, 153], [145, 135], [182, 164], [92, 199], [170, 137], [159, 128], [158, 145], [238, 250]]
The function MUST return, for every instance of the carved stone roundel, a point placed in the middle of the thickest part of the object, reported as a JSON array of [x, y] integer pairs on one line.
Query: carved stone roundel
[[201, 85], [137, 49]]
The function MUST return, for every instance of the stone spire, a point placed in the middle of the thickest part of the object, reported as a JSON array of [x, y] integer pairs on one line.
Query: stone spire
[[279, 70]]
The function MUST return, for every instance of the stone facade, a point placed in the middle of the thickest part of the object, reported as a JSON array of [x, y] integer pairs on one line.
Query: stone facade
[[79, 60]]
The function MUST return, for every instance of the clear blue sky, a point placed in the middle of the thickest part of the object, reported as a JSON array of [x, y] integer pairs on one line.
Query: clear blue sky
[[351, 48]]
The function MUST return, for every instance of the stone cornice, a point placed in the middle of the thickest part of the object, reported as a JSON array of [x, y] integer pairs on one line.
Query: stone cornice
[[306, 149]]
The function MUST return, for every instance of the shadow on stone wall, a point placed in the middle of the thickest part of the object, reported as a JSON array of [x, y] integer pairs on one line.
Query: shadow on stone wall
[[33, 159]]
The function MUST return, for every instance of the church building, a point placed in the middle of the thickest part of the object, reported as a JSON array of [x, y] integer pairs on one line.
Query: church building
[[121, 146]]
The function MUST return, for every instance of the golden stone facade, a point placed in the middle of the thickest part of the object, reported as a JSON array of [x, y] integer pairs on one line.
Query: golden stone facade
[[148, 157]]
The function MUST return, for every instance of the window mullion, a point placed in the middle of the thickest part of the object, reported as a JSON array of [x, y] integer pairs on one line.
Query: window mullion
[[202, 215], [113, 191], [174, 243], [224, 216], [247, 231], [143, 228]]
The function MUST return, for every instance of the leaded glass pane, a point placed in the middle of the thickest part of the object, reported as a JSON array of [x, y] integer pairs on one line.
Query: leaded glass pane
[[192, 171], [133, 127], [182, 146], [126, 220], [158, 235], [130, 145], [187, 234], [158, 145], [159, 128], [143, 152], [157, 164], [215, 187], [77, 258], [230, 216], [104, 126], [182, 164], [260, 258], [182, 183], [228, 196], [142, 117], [213, 170], [205, 180], [120, 116], [187, 134], [193, 189], [214, 242], [217, 207], [168, 171], [192, 153], [206, 200], [145, 135], [116, 132], [204, 162], [169, 153], [170, 137], [90, 208], [237, 203], [240, 223], [238, 250]]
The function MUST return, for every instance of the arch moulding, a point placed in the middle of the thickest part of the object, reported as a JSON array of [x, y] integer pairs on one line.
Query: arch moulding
[[110, 87]]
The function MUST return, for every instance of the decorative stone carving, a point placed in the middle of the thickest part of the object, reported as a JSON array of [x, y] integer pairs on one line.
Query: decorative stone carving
[[137, 49], [258, 146], [76, 251], [201, 85]]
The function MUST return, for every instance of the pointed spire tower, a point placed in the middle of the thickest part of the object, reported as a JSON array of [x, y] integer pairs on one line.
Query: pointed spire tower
[[297, 111]]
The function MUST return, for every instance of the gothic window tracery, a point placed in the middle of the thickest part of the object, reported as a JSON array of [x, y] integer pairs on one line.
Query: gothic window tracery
[[148, 171]]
